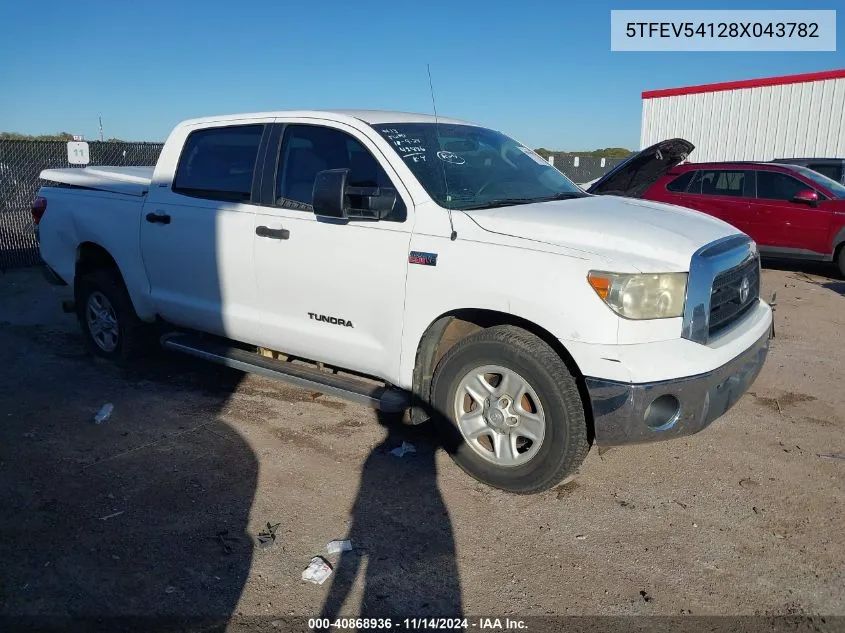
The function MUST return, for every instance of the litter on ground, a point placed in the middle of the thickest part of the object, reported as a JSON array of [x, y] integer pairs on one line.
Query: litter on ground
[[104, 413], [317, 571], [406, 447], [336, 547]]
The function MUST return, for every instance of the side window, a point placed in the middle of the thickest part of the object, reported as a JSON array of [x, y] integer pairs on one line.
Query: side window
[[834, 172], [695, 185], [773, 185], [720, 182], [218, 163], [309, 149], [680, 184]]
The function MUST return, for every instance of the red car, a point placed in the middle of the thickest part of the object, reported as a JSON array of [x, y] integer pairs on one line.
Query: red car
[[790, 211]]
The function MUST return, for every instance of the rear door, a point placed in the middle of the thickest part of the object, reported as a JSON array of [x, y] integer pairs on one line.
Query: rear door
[[197, 234], [330, 290], [722, 193], [792, 227]]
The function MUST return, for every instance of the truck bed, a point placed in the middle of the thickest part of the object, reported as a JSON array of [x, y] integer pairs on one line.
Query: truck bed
[[133, 181]]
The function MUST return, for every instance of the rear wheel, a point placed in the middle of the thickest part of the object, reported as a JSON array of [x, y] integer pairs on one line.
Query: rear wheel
[[110, 326], [840, 260], [511, 410]]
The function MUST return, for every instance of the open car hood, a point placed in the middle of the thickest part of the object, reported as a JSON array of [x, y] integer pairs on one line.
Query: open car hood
[[632, 177]]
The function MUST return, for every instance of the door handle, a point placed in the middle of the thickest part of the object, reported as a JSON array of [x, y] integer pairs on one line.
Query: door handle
[[158, 218], [275, 234]]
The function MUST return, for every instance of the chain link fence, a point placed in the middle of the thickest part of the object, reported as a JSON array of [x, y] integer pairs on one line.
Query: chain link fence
[[22, 161], [582, 169], [20, 164]]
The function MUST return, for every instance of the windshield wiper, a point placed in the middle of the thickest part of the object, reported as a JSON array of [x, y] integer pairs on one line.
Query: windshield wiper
[[564, 195], [507, 202], [503, 202]]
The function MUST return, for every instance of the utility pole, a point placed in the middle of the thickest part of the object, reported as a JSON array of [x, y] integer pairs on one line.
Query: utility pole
[[101, 126]]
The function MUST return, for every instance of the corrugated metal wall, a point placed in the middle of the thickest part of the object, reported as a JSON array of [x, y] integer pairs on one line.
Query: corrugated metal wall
[[760, 123]]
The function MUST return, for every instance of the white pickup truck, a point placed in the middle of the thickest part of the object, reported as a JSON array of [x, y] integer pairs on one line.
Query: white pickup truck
[[478, 285]]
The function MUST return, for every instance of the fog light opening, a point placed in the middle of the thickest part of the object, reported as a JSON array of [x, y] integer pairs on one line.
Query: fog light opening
[[662, 413]]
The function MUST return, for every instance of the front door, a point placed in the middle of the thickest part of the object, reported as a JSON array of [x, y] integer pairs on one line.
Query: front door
[[794, 228], [331, 290], [197, 234]]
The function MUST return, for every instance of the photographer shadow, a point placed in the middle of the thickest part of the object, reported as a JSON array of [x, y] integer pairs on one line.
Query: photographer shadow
[[404, 546]]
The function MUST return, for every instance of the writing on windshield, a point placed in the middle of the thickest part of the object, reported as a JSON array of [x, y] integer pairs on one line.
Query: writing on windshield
[[471, 167]]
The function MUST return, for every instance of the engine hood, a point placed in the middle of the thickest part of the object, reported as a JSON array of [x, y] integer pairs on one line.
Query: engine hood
[[640, 234], [636, 174]]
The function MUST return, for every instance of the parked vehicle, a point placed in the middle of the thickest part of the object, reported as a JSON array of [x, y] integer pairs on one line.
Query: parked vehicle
[[790, 211], [833, 168], [482, 287]]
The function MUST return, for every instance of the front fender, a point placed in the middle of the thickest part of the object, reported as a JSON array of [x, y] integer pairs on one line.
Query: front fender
[[547, 289]]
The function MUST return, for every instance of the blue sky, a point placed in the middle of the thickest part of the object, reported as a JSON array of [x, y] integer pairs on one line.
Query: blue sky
[[542, 72]]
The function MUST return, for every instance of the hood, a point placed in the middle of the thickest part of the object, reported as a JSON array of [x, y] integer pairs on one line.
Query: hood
[[647, 236], [636, 174]]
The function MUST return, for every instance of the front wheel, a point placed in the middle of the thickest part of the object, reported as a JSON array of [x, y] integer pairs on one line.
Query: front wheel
[[511, 410], [841, 260]]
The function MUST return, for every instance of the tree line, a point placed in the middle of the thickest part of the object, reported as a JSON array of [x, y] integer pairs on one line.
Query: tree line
[[61, 136], [607, 152]]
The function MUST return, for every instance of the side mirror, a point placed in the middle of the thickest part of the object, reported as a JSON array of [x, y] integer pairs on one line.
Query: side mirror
[[807, 196], [333, 198], [329, 193]]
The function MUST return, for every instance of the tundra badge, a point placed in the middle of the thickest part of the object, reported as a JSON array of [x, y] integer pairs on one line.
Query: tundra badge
[[330, 319]]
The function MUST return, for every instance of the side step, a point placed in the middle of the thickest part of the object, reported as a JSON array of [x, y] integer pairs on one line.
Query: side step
[[379, 397]]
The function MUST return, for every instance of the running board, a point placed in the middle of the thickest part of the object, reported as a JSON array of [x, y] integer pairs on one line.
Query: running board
[[379, 397]]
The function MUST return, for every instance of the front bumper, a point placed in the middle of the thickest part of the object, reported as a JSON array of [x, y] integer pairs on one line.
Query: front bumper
[[626, 413]]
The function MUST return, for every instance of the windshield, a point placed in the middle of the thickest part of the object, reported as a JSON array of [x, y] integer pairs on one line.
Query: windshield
[[469, 167], [821, 180]]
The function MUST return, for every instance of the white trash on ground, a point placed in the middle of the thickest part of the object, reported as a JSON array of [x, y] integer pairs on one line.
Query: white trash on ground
[[104, 413], [336, 547], [406, 447], [317, 571]]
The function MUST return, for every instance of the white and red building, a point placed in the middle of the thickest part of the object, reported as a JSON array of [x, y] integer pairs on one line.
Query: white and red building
[[756, 119]]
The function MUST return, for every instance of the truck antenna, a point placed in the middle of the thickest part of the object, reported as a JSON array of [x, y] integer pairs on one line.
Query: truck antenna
[[454, 234]]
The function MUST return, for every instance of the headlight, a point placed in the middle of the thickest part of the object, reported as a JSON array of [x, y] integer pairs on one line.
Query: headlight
[[641, 296]]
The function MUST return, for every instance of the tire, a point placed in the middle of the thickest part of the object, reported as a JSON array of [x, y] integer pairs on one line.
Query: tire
[[841, 260], [103, 292], [517, 454]]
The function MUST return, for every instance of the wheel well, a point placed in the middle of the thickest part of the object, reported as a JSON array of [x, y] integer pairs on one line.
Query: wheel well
[[454, 326], [91, 257]]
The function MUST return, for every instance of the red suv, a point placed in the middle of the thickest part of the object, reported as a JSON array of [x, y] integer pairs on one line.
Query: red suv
[[790, 211]]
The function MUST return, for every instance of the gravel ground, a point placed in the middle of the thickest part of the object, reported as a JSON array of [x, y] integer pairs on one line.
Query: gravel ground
[[157, 510]]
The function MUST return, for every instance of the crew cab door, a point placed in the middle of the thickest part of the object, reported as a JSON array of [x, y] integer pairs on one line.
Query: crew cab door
[[197, 233], [786, 225], [330, 290]]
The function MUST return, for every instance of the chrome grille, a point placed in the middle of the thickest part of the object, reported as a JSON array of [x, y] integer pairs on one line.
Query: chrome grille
[[713, 289], [727, 303]]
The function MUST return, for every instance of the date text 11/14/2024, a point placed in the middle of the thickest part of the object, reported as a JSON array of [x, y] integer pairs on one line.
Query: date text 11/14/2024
[[417, 624]]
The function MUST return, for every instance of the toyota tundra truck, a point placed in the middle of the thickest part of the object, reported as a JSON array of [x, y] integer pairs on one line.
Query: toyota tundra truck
[[426, 266]]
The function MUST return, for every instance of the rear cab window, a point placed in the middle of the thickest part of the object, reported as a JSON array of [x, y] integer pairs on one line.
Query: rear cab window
[[219, 163]]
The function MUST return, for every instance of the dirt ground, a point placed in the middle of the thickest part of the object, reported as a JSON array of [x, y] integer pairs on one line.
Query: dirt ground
[[158, 510]]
